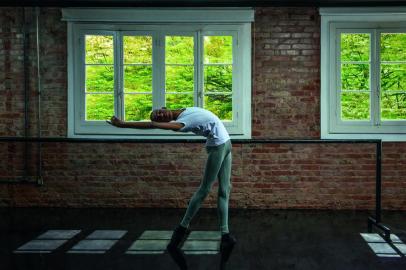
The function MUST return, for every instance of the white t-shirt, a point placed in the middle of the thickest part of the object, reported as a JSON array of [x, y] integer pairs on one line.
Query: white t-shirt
[[205, 123]]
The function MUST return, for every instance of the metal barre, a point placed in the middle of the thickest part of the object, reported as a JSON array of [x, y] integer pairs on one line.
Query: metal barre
[[372, 221], [238, 141]]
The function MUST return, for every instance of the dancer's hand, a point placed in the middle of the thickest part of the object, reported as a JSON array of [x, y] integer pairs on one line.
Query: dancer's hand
[[115, 122]]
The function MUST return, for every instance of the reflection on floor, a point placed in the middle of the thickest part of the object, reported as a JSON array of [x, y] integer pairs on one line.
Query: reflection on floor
[[128, 239]]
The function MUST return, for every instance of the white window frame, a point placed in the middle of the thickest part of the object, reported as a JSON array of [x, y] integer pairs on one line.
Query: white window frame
[[357, 20], [158, 22]]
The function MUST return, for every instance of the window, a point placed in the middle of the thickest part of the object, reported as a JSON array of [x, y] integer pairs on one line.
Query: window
[[363, 74], [147, 59]]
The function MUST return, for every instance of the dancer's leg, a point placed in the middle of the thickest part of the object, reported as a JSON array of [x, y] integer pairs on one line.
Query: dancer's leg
[[213, 164], [224, 190], [227, 240]]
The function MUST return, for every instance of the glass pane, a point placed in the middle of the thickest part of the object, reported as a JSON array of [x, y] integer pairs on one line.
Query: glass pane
[[355, 47], [99, 106], [137, 49], [99, 79], [355, 106], [393, 47], [220, 105], [218, 78], [137, 79], [393, 106], [218, 49], [355, 76], [178, 101], [137, 107], [99, 49], [179, 50], [179, 79], [393, 77]]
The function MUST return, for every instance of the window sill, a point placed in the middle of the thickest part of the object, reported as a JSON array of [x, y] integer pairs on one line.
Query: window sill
[[355, 136], [101, 130], [153, 137]]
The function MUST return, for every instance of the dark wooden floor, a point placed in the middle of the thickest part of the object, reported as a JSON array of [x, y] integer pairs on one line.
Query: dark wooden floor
[[267, 239]]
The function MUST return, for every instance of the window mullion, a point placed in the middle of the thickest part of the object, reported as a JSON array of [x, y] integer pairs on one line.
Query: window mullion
[[155, 71], [236, 83], [375, 80], [118, 75], [337, 69], [158, 70], [82, 77], [199, 69]]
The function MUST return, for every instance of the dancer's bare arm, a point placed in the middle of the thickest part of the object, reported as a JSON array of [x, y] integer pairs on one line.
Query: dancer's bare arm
[[145, 125]]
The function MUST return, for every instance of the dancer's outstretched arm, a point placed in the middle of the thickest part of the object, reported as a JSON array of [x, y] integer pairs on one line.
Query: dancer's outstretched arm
[[145, 125]]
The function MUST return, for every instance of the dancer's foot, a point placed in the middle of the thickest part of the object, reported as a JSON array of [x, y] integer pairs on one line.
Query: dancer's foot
[[227, 244]]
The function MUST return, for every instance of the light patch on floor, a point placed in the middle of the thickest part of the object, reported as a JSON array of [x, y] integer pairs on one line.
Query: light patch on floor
[[201, 247], [92, 246], [106, 234], [204, 235], [59, 234], [148, 246], [151, 242], [48, 241], [98, 242], [157, 235], [395, 249], [398, 244], [155, 242]]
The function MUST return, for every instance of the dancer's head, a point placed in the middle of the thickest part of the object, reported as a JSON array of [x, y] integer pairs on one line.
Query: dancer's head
[[161, 115]]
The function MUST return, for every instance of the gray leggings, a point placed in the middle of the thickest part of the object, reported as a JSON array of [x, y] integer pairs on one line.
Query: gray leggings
[[218, 165]]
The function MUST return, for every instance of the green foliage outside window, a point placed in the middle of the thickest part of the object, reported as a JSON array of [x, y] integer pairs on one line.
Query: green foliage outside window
[[179, 74], [99, 76], [393, 76], [355, 76], [137, 106], [137, 77], [99, 106], [218, 60]]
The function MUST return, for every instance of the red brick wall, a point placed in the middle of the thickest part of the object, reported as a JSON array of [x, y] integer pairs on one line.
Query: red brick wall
[[264, 175], [394, 175], [53, 73], [286, 73], [286, 101], [11, 73]]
